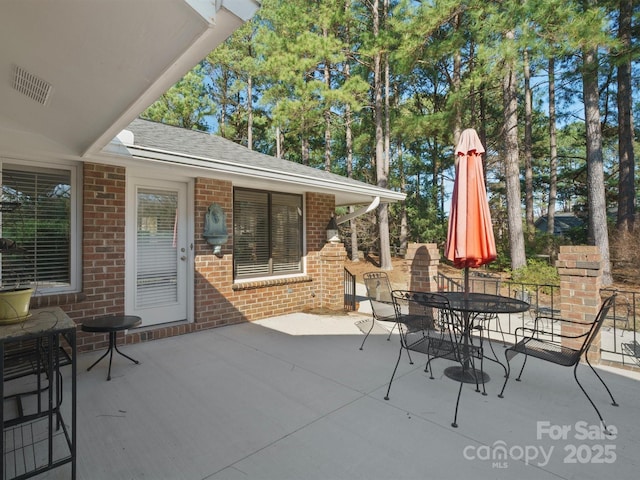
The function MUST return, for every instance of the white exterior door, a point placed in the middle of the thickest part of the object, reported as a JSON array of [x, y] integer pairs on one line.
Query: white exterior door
[[158, 255]]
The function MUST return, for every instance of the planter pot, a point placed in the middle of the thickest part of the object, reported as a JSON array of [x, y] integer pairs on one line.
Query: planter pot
[[14, 305]]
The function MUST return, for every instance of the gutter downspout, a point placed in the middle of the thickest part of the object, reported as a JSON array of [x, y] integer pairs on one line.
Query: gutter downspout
[[361, 211]]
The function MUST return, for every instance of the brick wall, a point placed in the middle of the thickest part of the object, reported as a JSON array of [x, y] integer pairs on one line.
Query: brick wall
[[213, 275], [422, 260], [580, 270], [217, 300], [332, 258]]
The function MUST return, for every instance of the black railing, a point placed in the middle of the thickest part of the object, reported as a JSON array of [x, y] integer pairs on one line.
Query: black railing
[[349, 291], [544, 300], [448, 284], [619, 337]]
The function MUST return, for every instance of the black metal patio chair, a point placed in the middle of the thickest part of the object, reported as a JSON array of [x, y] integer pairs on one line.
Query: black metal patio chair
[[547, 345], [482, 282], [437, 332], [379, 293]]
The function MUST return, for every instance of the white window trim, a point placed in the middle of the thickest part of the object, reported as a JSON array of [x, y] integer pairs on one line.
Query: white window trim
[[75, 169]]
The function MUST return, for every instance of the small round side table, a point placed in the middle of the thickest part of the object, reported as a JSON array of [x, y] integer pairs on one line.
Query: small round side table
[[111, 324]]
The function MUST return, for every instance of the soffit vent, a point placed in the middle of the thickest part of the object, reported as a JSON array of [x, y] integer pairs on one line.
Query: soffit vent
[[28, 84]]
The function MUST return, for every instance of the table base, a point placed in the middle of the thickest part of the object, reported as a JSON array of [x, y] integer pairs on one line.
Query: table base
[[112, 346], [466, 374]]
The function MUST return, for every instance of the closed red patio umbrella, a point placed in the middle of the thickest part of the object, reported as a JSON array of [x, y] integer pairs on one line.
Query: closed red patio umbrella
[[470, 240]]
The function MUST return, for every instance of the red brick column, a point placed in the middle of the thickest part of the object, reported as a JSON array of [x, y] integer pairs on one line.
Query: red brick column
[[580, 270], [422, 260], [332, 258]]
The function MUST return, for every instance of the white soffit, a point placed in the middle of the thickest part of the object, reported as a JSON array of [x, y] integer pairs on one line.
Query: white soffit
[[86, 69]]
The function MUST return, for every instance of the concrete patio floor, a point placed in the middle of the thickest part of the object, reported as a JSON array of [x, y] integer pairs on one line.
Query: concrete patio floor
[[293, 397]]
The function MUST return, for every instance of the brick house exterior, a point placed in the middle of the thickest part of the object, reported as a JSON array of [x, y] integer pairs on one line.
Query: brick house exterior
[[72, 144], [217, 299]]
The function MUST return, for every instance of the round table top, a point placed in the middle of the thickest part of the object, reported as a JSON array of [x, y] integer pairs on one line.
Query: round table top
[[111, 323], [484, 303]]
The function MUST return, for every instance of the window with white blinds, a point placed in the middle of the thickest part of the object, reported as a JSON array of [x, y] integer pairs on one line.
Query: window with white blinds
[[156, 252], [36, 227], [267, 233]]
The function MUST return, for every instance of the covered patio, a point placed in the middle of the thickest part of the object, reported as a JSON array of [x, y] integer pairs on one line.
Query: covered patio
[[293, 397]]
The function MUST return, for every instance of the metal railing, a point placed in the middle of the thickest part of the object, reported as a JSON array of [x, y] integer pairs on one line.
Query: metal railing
[[349, 291], [544, 300], [619, 337], [619, 341]]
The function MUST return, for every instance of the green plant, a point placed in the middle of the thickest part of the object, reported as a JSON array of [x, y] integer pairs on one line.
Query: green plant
[[536, 272]]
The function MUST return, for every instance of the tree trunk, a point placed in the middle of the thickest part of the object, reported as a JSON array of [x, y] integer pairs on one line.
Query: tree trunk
[[553, 150], [304, 150], [278, 143], [528, 168], [355, 255], [381, 172], [250, 113], [404, 223], [327, 112], [456, 80], [512, 169], [598, 232], [626, 185]]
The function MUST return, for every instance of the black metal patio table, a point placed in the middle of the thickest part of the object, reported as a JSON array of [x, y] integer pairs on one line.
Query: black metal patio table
[[470, 305]]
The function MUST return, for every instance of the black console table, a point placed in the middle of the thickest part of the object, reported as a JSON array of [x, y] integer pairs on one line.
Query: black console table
[[36, 437]]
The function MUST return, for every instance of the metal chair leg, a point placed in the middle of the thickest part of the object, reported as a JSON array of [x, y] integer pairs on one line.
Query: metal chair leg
[[373, 320], [613, 401], [386, 397], [454, 424]]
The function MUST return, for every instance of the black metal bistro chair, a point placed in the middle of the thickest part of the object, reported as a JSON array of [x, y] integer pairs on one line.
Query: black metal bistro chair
[[482, 282], [379, 294], [547, 345], [437, 332]]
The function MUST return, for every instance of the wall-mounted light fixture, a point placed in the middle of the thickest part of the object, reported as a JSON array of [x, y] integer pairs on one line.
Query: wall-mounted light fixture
[[215, 228], [332, 230]]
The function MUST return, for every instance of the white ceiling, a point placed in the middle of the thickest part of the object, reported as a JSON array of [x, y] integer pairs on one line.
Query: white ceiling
[[104, 60]]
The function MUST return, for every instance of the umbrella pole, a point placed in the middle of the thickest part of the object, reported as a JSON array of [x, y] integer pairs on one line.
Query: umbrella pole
[[466, 281], [468, 370]]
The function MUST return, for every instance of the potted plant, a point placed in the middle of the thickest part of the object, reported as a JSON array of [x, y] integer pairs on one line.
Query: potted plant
[[14, 298]]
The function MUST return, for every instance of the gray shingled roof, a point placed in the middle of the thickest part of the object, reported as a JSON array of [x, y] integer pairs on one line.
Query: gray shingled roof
[[563, 221], [205, 146]]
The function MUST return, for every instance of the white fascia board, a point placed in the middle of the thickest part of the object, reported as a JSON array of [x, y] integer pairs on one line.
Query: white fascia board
[[206, 8], [233, 169], [243, 9]]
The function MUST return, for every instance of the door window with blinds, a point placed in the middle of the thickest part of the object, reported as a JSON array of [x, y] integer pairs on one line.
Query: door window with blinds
[[156, 252], [267, 238], [37, 227]]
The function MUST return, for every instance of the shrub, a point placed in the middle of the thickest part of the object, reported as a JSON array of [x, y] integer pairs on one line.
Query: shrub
[[536, 272]]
